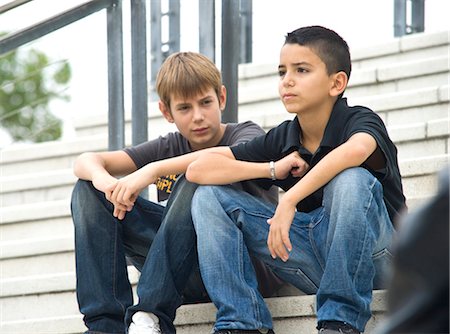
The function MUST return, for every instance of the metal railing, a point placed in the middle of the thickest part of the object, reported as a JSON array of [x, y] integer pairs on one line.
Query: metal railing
[[116, 119], [236, 48], [409, 21]]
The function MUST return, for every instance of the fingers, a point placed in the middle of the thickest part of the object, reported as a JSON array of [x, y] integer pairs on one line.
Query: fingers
[[278, 242], [123, 198], [119, 213]]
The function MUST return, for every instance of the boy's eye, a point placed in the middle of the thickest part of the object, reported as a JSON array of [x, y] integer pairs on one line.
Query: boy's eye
[[207, 102], [281, 73], [302, 70], [183, 108]]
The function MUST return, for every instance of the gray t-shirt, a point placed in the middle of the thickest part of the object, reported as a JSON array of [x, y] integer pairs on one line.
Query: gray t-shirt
[[174, 144]]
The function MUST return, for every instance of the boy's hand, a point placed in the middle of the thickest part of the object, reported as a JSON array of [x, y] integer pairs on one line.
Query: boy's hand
[[278, 240], [293, 164], [128, 189], [106, 183]]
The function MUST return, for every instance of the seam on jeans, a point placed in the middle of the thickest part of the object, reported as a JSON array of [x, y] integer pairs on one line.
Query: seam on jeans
[[311, 238], [114, 266], [358, 318], [241, 246]]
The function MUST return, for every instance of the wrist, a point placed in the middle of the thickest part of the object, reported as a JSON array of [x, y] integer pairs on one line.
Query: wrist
[[272, 170]]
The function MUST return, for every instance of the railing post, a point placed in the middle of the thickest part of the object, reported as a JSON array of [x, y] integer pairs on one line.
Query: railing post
[[417, 16], [155, 45], [246, 39], [139, 95], [174, 26], [230, 57], [207, 28], [159, 49], [116, 118]]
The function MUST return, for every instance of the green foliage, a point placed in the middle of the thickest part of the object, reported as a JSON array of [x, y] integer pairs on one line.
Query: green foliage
[[28, 82]]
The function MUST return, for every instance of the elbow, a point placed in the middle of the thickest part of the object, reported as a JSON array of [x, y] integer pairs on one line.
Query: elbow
[[358, 155], [80, 162], [77, 165], [193, 173]]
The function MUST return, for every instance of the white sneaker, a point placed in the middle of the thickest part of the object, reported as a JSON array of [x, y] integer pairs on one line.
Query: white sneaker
[[144, 323]]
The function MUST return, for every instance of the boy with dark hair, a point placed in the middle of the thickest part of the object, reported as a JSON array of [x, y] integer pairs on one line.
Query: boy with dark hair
[[113, 224], [331, 232]]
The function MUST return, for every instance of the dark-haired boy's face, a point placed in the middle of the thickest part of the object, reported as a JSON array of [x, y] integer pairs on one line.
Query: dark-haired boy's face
[[304, 84]]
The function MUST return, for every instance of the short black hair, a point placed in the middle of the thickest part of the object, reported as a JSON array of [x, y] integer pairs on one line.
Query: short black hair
[[327, 44]]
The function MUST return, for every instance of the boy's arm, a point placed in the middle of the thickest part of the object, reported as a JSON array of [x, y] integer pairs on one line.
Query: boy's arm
[[223, 168], [354, 152], [102, 168], [129, 187]]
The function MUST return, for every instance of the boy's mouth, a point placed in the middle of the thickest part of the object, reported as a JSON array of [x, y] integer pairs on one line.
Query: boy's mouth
[[200, 131], [288, 96]]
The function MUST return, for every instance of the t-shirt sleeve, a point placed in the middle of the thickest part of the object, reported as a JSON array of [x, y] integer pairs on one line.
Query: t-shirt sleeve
[[242, 132], [163, 147], [262, 148], [371, 123]]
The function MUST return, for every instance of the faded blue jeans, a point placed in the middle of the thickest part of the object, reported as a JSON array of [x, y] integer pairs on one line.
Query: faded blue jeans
[[340, 250], [103, 244]]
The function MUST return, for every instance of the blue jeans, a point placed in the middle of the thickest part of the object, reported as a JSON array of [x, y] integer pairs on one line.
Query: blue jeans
[[340, 250], [103, 245]]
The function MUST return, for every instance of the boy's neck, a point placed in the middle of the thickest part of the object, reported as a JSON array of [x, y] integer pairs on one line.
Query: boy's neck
[[313, 127]]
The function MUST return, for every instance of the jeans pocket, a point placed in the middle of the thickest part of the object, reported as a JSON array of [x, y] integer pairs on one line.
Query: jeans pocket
[[297, 278], [382, 261]]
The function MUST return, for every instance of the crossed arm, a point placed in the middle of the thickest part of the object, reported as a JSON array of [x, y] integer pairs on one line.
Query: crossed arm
[[222, 168], [116, 175]]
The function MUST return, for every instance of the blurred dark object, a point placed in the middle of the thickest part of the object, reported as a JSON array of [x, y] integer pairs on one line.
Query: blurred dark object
[[418, 295]]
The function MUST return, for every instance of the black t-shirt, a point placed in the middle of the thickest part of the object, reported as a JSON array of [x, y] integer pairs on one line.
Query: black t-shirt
[[343, 123]]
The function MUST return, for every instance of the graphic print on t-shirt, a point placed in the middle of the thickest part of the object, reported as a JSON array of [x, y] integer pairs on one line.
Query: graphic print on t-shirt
[[164, 186]]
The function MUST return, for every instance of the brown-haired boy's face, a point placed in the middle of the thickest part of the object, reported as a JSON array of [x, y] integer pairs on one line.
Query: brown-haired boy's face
[[198, 118], [304, 84]]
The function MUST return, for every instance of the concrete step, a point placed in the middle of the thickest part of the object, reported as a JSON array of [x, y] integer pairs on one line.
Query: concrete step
[[41, 157], [47, 283], [294, 314], [406, 48], [41, 186]]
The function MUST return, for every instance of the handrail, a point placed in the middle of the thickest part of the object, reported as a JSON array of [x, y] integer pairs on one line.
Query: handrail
[[116, 118], [12, 5], [26, 35]]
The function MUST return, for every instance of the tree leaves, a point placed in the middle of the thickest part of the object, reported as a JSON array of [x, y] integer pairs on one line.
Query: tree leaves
[[28, 82]]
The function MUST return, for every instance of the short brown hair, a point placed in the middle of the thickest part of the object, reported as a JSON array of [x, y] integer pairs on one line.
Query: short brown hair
[[186, 74]]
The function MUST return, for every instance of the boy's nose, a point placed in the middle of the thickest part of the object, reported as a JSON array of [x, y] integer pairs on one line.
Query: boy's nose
[[287, 81], [198, 114]]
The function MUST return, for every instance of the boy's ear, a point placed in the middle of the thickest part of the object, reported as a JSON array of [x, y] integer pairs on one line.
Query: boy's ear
[[223, 98], [339, 83], [165, 110]]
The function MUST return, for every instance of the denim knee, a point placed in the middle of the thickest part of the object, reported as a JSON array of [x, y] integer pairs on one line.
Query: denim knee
[[86, 199], [351, 186]]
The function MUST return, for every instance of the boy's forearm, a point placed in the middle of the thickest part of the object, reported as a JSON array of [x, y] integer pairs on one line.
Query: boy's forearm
[[224, 169], [343, 157], [179, 164], [87, 164]]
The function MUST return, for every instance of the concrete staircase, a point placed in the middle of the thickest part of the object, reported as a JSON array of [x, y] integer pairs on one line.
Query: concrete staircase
[[406, 81]]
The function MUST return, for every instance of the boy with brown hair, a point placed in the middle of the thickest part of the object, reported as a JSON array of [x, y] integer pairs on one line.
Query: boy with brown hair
[[113, 224], [331, 232]]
